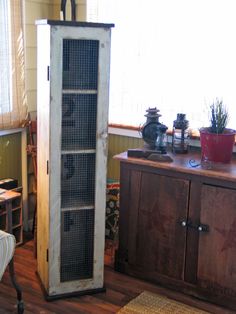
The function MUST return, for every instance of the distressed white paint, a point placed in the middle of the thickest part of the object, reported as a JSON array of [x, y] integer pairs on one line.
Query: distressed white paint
[[49, 110], [43, 133], [24, 178]]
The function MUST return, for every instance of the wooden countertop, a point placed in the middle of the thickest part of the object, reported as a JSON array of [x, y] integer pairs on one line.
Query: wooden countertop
[[181, 163], [8, 195]]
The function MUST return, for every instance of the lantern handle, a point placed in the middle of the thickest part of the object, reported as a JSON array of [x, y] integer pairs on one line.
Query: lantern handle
[[73, 7]]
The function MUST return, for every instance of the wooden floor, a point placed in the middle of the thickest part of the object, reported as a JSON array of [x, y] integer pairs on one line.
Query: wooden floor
[[120, 289]]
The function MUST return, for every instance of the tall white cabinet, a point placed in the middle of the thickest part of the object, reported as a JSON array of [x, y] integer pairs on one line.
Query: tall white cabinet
[[72, 114]]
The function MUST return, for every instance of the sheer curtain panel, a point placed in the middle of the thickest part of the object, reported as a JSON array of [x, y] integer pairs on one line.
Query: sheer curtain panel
[[176, 55], [13, 107]]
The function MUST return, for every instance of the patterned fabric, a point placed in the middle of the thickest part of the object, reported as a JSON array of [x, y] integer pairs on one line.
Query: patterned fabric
[[112, 210], [7, 248]]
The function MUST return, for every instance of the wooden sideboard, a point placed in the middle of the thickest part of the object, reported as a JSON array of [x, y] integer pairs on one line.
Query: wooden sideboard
[[178, 226]]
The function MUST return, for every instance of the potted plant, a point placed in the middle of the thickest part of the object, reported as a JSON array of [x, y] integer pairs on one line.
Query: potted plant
[[217, 141]]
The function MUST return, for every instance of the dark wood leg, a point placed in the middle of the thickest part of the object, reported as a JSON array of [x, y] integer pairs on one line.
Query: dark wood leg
[[20, 304]]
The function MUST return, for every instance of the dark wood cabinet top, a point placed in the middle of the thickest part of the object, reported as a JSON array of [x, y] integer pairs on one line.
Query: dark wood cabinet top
[[182, 164], [73, 23]]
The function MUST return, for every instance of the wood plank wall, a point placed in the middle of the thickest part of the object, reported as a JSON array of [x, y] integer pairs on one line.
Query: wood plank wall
[[10, 156], [116, 145], [35, 10]]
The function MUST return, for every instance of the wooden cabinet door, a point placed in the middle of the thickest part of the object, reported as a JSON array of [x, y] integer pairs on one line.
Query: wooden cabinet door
[[157, 241], [217, 248]]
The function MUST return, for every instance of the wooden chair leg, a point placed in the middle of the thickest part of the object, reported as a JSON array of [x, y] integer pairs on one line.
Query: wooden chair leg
[[20, 303]]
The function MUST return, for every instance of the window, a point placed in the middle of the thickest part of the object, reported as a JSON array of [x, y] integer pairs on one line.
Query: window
[[5, 83], [13, 107], [176, 55]]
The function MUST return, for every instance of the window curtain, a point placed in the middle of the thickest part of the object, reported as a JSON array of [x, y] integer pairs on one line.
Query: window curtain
[[178, 56], [13, 106]]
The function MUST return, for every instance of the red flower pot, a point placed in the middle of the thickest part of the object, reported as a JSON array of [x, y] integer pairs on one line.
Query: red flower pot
[[217, 147]]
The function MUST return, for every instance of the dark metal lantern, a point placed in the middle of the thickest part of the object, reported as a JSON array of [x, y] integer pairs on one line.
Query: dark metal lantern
[[180, 135], [153, 132]]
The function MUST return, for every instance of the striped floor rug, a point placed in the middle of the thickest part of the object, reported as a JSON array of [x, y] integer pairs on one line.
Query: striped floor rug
[[150, 303]]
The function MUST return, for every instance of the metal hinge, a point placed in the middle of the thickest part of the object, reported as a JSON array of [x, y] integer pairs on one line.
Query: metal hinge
[[48, 73], [126, 256], [47, 167], [47, 255]]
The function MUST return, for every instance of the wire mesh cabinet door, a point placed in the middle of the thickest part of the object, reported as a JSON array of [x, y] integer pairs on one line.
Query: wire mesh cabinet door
[[73, 92]]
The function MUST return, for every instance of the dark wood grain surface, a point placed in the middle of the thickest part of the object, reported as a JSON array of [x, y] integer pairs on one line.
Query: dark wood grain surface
[[160, 240], [120, 289], [181, 164], [217, 248]]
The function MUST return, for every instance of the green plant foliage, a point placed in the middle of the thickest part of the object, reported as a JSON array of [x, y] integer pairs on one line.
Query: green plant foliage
[[218, 117]]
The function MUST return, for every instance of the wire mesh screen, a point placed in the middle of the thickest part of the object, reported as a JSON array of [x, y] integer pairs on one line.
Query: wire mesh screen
[[79, 123], [77, 243], [80, 64], [77, 180]]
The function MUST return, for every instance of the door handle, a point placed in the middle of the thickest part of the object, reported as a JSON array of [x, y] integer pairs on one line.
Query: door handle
[[203, 228], [197, 227], [183, 223]]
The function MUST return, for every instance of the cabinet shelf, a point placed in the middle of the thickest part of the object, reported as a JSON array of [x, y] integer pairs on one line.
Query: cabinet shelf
[[16, 226], [70, 199], [16, 203], [16, 217], [18, 233], [78, 151], [78, 207], [16, 208], [79, 112], [78, 148], [80, 91]]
